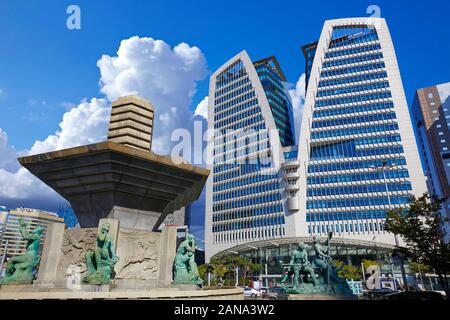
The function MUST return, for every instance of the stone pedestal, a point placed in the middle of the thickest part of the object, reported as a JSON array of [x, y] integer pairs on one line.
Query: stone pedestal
[[51, 255], [134, 218], [168, 252], [145, 257], [316, 297]]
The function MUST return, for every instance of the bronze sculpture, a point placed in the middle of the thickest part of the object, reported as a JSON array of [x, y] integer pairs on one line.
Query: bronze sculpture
[[300, 267], [100, 262], [185, 268], [318, 277], [20, 269]]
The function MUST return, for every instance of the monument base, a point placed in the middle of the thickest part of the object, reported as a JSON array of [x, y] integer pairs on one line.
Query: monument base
[[316, 296], [86, 292]]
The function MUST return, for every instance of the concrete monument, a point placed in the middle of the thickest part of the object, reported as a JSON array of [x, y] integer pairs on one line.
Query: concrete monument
[[121, 193]]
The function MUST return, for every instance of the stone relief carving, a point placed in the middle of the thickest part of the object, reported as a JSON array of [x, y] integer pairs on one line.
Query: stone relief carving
[[139, 255], [76, 243]]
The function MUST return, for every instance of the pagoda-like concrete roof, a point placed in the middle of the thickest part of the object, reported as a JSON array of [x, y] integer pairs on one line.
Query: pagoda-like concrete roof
[[98, 177]]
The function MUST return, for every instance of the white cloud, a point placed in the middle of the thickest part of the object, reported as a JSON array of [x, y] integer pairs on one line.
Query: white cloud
[[202, 108], [17, 182], [85, 124], [67, 105], [144, 66], [8, 153], [297, 94], [155, 71]]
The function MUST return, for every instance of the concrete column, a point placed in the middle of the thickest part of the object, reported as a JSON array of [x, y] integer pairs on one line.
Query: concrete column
[[51, 253], [168, 247]]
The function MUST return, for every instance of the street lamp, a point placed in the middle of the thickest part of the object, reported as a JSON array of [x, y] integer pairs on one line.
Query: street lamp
[[383, 167]]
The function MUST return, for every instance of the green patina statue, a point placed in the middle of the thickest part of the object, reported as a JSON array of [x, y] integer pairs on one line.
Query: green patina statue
[[323, 261], [318, 277], [300, 267], [185, 268], [20, 269], [101, 261]]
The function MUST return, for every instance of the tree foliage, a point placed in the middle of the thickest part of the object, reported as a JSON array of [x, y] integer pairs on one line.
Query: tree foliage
[[347, 271], [367, 263], [223, 270], [417, 267], [421, 227]]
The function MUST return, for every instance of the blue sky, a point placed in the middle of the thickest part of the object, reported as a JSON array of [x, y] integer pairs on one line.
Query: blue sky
[[45, 69], [44, 61]]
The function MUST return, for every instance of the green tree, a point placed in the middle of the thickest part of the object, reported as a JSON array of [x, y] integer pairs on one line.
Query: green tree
[[224, 269], [203, 270], [220, 270], [367, 263], [347, 271], [417, 267], [421, 227]]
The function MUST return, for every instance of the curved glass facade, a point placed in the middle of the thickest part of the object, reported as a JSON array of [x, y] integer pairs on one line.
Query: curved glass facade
[[246, 196], [361, 158]]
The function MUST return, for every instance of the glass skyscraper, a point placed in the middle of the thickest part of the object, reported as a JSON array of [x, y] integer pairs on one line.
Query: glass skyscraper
[[431, 110], [358, 157], [247, 191]]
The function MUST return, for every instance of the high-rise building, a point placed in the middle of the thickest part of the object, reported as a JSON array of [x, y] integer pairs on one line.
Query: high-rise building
[[11, 241], [432, 121], [251, 113], [357, 152], [3, 214]]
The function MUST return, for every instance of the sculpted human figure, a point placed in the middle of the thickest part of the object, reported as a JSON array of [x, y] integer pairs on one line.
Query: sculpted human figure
[[299, 264], [186, 270], [323, 260], [321, 254], [101, 261], [19, 269]]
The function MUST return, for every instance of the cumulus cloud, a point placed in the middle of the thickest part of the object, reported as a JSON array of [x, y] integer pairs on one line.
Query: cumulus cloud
[[153, 70], [202, 108], [143, 66], [8, 153], [85, 124], [67, 105], [17, 184], [297, 94]]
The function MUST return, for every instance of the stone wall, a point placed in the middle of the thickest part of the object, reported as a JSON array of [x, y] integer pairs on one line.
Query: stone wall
[[139, 255]]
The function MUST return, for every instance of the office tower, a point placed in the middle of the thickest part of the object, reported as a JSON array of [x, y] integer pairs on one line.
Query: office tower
[[357, 153], [251, 114], [432, 120], [11, 242]]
